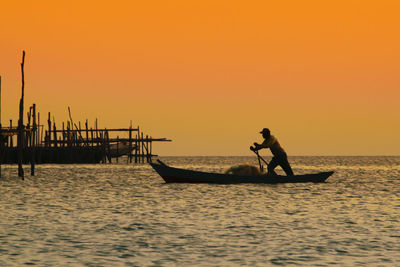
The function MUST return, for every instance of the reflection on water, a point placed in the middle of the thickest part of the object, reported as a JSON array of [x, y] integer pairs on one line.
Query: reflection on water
[[123, 215]]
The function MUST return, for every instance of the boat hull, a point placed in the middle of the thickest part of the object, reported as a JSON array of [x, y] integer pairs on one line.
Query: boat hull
[[176, 175]]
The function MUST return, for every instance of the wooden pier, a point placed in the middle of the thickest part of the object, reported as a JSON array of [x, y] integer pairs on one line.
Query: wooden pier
[[88, 145], [74, 142]]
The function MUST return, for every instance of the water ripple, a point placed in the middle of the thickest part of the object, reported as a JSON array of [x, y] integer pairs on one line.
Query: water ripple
[[124, 215]]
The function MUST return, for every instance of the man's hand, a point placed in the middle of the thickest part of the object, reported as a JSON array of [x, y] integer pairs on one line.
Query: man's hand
[[256, 146], [252, 148]]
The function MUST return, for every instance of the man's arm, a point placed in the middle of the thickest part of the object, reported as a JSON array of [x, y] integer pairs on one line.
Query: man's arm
[[258, 146]]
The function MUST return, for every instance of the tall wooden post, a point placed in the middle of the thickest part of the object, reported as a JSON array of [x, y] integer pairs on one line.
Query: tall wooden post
[[118, 148], [130, 144], [11, 137], [33, 139], [81, 143], [151, 149], [136, 147], [56, 150], [38, 137], [28, 129], [21, 122], [97, 131], [49, 131], [87, 133], [55, 133], [92, 146], [63, 135], [68, 136], [142, 148], [103, 146], [147, 149], [107, 137]]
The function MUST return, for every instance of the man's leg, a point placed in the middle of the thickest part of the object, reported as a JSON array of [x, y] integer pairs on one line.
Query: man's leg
[[272, 165], [284, 163]]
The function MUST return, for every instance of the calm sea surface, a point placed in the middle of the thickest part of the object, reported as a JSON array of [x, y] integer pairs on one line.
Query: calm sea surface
[[125, 215]]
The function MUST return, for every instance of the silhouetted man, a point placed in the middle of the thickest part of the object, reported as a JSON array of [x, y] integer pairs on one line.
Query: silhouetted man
[[279, 158]]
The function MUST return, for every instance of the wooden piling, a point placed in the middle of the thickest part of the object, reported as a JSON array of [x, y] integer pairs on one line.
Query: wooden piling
[[80, 132], [147, 149], [91, 137], [68, 135], [108, 146], [38, 138], [97, 132], [118, 149], [151, 150], [130, 144], [21, 122], [41, 129], [49, 130], [137, 147], [142, 156], [33, 143], [87, 133], [55, 133], [11, 137], [63, 135]]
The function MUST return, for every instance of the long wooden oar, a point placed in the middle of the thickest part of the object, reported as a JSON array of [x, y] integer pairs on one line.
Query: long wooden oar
[[259, 158], [259, 162]]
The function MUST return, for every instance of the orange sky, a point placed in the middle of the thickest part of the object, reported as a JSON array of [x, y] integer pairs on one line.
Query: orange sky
[[322, 75]]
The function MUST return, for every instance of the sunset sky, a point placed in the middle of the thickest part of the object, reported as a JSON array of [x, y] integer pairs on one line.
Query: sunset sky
[[324, 76]]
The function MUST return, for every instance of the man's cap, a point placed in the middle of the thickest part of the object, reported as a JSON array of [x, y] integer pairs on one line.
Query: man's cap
[[265, 130]]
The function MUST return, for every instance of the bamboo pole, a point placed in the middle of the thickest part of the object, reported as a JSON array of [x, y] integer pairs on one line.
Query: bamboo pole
[[21, 122]]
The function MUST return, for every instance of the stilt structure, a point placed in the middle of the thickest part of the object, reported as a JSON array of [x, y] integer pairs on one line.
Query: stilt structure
[[70, 143]]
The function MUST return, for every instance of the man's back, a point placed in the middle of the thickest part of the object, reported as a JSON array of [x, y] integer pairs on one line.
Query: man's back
[[272, 143]]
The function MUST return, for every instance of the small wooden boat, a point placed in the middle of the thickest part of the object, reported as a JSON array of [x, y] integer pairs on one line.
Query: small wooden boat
[[120, 149], [176, 175]]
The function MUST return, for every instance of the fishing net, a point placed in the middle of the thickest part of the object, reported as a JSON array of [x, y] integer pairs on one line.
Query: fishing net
[[243, 169]]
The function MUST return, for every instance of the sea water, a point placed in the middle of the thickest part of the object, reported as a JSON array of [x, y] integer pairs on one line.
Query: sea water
[[125, 215]]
